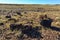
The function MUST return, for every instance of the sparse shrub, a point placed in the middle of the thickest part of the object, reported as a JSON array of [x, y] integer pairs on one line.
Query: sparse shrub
[[12, 19], [0, 31], [46, 21], [15, 26], [30, 22], [38, 28], [8, 16], [31, 32], [57, 23], [19, 13], [59, 37], [28, 30], [1, 24], [25, 12], [57, 19], [4, 10]]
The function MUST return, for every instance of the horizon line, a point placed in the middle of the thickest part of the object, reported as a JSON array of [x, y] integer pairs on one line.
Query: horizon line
[[31, 3]]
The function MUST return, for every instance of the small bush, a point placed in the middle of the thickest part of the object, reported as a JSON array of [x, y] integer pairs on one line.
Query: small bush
[[1, 24], [8, 16]]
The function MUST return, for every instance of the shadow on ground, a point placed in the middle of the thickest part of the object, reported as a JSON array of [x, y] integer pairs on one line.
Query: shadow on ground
[[27, 30]]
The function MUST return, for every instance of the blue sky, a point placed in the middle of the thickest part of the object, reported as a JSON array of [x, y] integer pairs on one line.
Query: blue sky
[[30, 1]]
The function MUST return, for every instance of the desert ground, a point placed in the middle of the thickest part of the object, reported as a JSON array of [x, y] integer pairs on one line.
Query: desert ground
[[29, 22]]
